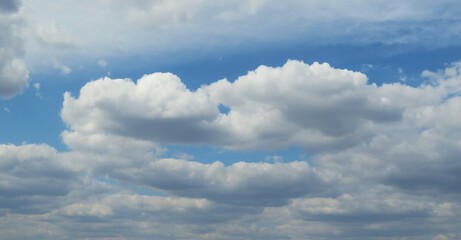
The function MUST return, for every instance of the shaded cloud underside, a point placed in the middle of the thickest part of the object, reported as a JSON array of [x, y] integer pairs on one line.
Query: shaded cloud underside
[[385, 158]]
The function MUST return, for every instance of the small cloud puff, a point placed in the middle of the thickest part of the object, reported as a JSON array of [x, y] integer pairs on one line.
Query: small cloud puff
[[102, 63], [61, 67]]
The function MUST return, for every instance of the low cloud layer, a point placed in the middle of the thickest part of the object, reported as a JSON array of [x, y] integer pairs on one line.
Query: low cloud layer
[[383, 160]]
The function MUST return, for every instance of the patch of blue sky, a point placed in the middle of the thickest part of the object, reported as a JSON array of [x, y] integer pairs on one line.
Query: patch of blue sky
[[112, 183], [209, 154]]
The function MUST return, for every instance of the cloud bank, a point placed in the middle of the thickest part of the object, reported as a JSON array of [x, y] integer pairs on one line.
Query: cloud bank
[[383, 160]]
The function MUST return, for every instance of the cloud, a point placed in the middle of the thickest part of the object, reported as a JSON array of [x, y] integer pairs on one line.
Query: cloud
[[14, 74], [167, 29], [377, 205], [58, 194], [33, 178], [396, 175], [268, 108], [64, 69], [419, 153], [398, 178], [373, 212], [52, 37], [248, 184], [102, 63], [9, 5]]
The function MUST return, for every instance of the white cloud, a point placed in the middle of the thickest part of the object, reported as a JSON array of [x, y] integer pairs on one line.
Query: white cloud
[[37, 86], [269, 108], [383, 160], [159, 98], [419, 153], [51, 36], [397, 176], [398, 179], [61, 67]]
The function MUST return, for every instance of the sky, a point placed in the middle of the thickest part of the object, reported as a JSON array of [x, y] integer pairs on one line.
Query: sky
[[205, 119]]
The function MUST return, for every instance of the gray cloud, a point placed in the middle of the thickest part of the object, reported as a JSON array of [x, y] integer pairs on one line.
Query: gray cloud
[[13, 71], [248, 184], [33, 178], [9, 5]]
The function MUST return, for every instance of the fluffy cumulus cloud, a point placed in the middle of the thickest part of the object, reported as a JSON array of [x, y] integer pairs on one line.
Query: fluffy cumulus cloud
[[13, 71], [313, 106], [383, 160], [418, 153]]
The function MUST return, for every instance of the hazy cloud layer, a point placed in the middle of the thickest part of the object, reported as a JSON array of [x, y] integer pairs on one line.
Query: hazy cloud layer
[[14, 75], [173, 26]]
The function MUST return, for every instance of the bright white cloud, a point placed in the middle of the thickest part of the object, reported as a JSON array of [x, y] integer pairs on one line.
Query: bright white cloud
[[418, 153], [313, 106]]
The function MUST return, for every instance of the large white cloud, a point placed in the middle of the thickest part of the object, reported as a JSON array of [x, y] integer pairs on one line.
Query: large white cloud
[[397, 171], [313, 106], [14, 74], [420, 152]]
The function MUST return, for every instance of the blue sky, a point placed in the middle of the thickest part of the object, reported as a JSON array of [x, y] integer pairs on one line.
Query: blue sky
[[232, 119]]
